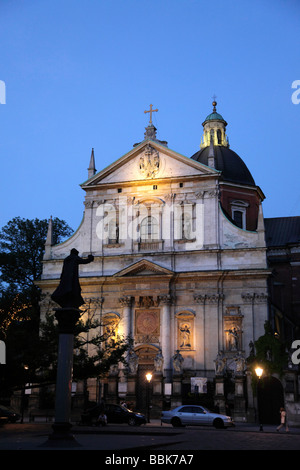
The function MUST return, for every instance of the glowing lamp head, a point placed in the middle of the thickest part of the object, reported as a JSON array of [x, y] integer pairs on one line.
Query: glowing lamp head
[[149, 376], [259, 372]]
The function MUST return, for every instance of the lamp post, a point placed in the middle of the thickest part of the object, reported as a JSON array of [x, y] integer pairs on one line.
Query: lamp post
[[149, 378], [259, 372], [23, 393]]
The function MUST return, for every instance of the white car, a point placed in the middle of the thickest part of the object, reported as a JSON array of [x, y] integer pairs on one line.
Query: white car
[[194, 415]]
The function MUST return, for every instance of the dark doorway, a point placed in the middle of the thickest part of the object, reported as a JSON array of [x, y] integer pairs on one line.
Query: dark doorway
[[270, 399], [144, 389]]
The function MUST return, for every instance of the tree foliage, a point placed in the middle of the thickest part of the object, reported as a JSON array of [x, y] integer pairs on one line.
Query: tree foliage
[[95, 351], [22, 244], [270, 354], [31, 345]]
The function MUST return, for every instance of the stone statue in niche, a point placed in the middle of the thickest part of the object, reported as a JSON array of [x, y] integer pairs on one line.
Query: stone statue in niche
[[110, 329], [233, 339], [158, 362], [233, 328], [133, 362], [178, 362], [185, 335], [220, 363], [240, 363]]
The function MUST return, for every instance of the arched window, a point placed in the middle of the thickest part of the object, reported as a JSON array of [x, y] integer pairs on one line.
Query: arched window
[[219, 136], [149, 229]]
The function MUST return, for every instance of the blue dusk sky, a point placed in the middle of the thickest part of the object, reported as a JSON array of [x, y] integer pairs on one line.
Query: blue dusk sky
[[79, 74]]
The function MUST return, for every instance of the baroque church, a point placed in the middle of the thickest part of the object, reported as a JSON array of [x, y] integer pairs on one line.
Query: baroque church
[[179, 265]]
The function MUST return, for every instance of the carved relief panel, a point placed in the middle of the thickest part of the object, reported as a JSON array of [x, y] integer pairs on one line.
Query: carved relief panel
[[147, 325], [149, 163]]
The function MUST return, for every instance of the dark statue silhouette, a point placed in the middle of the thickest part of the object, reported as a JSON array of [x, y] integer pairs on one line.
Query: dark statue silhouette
[[68, 293]]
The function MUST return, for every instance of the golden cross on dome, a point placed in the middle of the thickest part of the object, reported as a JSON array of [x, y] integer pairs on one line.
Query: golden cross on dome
[[151, 111]]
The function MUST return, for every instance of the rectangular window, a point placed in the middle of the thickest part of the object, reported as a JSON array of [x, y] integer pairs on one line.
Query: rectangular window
[[238, 218], [239, 213]]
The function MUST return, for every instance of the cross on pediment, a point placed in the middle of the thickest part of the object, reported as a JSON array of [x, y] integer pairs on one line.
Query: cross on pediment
[[151, 111]]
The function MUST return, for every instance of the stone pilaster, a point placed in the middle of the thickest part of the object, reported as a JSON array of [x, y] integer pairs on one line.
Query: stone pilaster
[[126, 303], [220, 395], [165, 335], [239, 399]]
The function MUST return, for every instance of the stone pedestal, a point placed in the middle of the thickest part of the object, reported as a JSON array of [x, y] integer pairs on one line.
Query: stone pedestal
[[16, 401], [176, 398], [157, 394], [239, 400], [67, 319], [112, 388], [131, 390], [33, 400], [157, 383], [219, 395]]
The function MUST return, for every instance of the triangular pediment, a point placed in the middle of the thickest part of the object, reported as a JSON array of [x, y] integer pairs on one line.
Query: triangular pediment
[[143, 268], [148, 161]]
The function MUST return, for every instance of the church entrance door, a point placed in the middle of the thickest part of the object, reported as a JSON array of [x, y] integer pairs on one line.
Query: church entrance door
[[144, 389]]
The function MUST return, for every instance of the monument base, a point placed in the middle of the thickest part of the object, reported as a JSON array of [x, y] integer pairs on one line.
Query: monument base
[[61, 437]]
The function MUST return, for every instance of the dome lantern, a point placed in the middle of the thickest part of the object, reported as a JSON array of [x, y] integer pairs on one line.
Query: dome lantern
[[215, 152], [214, 129]]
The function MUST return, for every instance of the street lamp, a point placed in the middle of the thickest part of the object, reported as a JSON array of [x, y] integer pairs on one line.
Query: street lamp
[[149, 378], [23, 393], [259, 372]]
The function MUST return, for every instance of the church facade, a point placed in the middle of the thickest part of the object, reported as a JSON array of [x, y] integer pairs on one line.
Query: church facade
[[179, 265]]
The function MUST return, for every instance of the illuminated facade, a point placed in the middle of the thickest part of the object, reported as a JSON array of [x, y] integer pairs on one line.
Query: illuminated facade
[[180, 265]]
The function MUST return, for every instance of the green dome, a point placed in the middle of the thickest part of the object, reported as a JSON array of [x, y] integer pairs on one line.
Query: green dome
[[214, 116]]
